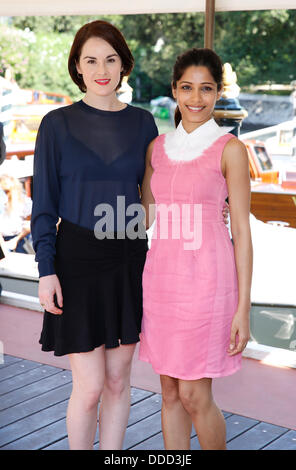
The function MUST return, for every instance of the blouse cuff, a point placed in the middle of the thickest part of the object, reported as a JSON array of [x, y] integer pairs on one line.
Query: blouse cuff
[[46, 267]]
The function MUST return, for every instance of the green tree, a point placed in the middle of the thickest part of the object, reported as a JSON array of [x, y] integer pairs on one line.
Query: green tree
[[14, 46], [48, 65], [258, 44], [160, 38]]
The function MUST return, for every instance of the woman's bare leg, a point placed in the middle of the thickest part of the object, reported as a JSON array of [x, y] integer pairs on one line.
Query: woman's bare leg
[[176, 422], [208, 420], [88, 373], [115, 402]]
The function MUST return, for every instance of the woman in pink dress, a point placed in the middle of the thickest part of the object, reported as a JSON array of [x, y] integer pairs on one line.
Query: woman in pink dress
[[196, 283]]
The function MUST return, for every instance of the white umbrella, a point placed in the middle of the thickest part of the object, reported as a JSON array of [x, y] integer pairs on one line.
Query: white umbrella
[[111, 7]]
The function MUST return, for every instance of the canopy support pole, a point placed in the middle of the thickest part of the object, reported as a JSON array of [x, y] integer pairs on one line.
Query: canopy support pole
[[209, 24]]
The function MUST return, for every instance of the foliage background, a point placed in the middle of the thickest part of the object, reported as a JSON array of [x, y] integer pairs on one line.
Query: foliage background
[[260, 45]]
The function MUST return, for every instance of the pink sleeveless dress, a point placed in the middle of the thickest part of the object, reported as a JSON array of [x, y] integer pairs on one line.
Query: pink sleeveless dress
[[190, 287]]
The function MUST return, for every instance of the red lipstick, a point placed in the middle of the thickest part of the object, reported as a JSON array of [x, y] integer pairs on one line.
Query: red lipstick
[[104, 81]]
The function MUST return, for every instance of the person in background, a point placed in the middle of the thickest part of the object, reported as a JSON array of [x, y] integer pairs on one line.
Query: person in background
[[15, 214]]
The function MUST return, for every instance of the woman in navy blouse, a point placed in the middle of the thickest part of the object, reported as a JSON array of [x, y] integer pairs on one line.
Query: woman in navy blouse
[[88, 166]]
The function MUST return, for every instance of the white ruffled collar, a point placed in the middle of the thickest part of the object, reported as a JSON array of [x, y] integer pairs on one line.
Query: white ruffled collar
[[183, 146]]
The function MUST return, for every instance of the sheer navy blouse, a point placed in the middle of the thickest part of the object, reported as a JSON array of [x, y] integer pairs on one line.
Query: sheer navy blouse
[[84, 157]]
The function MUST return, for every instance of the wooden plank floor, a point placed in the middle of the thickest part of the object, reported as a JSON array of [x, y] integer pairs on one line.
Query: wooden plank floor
[[33, 404]]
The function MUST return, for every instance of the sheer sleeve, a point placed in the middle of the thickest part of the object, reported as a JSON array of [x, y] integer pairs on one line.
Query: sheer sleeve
[[46, 194], [152, 130]]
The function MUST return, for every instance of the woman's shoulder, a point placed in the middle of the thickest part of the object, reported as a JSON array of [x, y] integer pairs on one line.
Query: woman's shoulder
[[141, 112], [155, 146], [158, 140], [56, 116], [234, 144], [235, 150], [146, 123]]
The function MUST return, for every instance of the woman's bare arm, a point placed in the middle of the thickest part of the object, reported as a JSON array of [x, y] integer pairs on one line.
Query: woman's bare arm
[[235, 165]]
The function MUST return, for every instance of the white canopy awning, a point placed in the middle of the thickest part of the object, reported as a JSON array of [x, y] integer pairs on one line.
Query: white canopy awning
[[108, 7]]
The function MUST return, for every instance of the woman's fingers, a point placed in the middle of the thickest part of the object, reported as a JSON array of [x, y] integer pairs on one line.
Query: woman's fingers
[[239, 347], [49, 291], [242, 343], [59, 295], [232, 345], [225, 213], [50, 307]]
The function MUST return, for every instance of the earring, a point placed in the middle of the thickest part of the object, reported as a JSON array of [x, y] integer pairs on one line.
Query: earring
[[79, 75]]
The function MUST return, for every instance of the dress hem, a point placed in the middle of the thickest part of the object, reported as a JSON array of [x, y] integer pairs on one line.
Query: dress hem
[[77, 350], [196, 377]]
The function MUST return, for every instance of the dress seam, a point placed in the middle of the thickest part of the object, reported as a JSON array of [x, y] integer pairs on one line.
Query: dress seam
[[216, 283], [213, 308]]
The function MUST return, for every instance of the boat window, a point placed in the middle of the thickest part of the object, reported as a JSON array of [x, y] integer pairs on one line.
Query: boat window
[[286, 137], [54, 98], [263, 158]]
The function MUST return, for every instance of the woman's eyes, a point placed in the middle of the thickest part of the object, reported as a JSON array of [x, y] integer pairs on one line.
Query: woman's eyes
[[206, 89], [92, 61]]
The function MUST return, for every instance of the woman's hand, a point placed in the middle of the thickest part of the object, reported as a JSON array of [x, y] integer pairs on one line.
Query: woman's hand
[[225, 213], [240, 331], [49, 287]]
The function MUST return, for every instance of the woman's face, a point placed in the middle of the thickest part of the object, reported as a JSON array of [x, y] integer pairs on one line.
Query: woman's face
[[196, 94], [100, 66]]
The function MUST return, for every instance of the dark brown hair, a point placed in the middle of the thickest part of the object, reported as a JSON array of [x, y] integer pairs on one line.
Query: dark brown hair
[[199, 57], [112, 35]]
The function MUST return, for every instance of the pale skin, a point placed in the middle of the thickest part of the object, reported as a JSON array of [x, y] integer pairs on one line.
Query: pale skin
[[191, 401], [101, 375]]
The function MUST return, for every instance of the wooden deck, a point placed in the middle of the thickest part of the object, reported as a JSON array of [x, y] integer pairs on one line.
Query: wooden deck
[[33, 407]]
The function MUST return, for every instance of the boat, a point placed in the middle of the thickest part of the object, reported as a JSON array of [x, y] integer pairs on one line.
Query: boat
[[279, 139], [24, 123], [46, 97], [273, 187], [25, 120]]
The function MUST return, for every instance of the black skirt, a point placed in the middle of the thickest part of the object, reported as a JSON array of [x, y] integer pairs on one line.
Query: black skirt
[[101, 283]]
